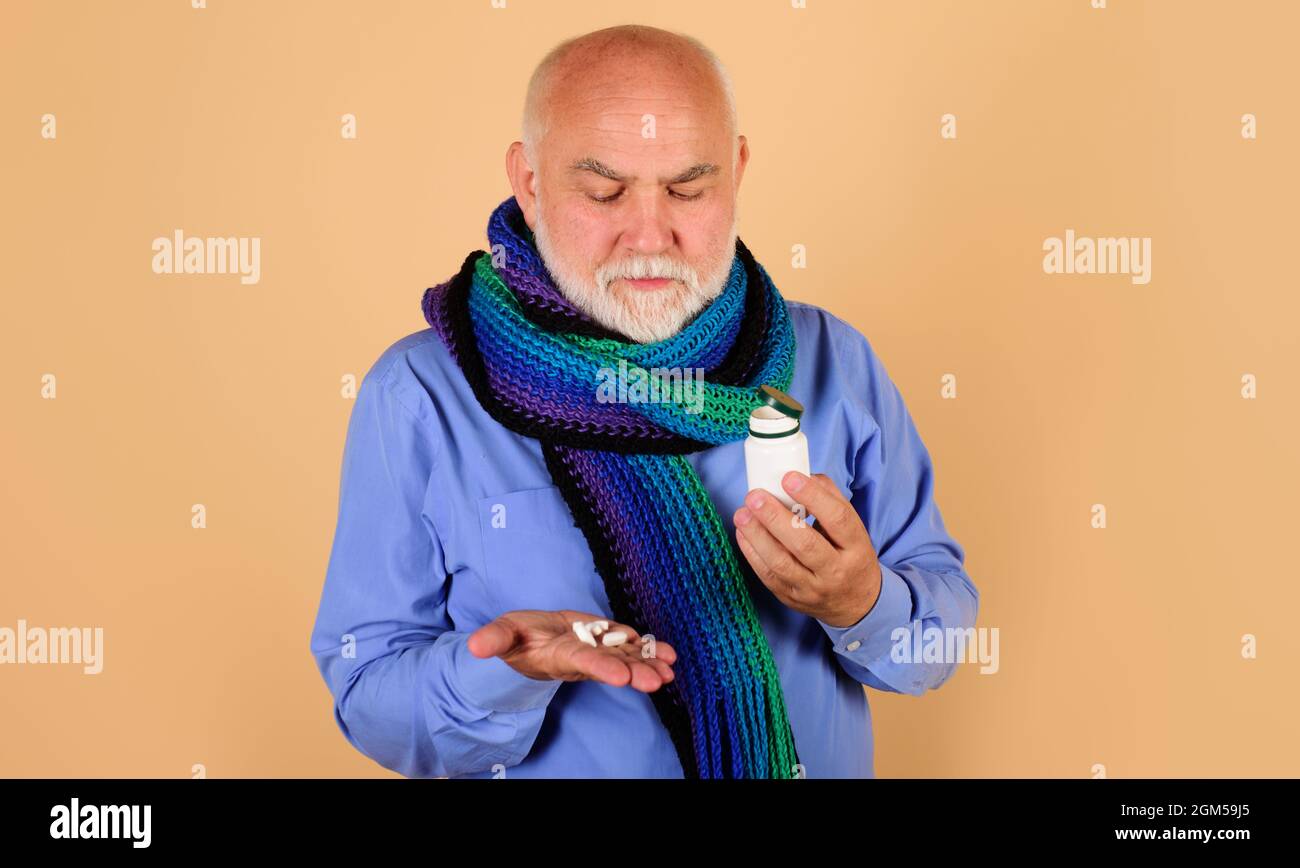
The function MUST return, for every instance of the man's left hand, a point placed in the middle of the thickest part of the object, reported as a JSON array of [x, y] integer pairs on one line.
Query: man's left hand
[[832, 575]]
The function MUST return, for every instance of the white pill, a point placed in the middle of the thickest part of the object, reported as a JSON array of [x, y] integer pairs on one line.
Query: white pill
[[597, 627], [617, 637], [583, 633]]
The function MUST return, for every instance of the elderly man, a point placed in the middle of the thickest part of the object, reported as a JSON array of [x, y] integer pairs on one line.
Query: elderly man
[[531, 574]]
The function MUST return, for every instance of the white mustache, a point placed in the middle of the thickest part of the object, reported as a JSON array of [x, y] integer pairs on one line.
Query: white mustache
[[643, 267]]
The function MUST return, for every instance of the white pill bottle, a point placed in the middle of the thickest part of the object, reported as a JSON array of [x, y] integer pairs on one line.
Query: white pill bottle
[[775, 445]]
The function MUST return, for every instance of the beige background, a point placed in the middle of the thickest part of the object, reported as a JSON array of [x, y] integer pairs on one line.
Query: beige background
[[1119, 646]]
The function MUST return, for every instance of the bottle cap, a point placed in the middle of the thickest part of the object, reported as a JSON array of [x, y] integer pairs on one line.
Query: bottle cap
[[780, 401]]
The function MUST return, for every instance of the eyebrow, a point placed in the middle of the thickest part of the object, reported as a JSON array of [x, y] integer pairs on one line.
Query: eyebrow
[[591, 164]]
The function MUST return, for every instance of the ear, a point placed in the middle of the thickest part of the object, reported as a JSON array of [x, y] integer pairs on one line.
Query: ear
[[742, 159], [523, 181]]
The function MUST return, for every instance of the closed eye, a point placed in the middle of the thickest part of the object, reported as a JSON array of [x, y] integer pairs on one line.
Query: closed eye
[[674, 193]]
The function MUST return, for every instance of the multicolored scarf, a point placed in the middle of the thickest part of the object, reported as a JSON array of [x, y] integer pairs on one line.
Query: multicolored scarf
[[537, 365]]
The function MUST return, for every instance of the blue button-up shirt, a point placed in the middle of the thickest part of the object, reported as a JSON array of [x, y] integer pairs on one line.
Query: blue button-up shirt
[[447, 519]]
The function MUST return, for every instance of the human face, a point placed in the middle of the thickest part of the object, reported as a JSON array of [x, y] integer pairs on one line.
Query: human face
[[635, 216]]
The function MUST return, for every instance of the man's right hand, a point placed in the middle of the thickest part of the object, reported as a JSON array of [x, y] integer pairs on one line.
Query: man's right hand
[[542, 645]]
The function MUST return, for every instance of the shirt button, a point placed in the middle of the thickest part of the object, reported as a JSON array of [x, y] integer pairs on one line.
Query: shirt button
[[854, 645]]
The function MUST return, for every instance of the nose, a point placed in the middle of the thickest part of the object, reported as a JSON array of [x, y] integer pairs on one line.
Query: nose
[[648, 230]]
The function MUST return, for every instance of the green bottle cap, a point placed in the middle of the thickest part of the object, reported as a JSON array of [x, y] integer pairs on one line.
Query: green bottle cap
[[780, 401]]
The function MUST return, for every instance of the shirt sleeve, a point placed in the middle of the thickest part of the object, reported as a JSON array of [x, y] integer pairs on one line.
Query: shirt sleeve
[[407, 691], [924, 583]]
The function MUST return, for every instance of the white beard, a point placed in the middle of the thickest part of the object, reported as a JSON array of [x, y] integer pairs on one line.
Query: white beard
[[645, 316]]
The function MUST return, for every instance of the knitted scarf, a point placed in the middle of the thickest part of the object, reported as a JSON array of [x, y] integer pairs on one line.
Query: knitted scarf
[[534, 362]]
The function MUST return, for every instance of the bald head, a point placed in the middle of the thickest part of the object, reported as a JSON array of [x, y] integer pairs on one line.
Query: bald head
[[605, 59]]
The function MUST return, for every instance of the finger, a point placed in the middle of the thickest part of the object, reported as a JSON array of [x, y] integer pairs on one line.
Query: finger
[[633, 652], [645, 677], [779, 586], [494, 638], [619, 669], [665, 671], [597, 664], [821, 529], [821, 497], [774, 552], [809, 548], [650, 650], [660, 666], [660, 650]]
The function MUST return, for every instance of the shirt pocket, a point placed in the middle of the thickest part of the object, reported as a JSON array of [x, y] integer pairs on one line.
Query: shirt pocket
[[535, 556]]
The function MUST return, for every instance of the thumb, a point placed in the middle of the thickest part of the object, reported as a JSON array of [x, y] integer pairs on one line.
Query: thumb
[[493, 639]]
